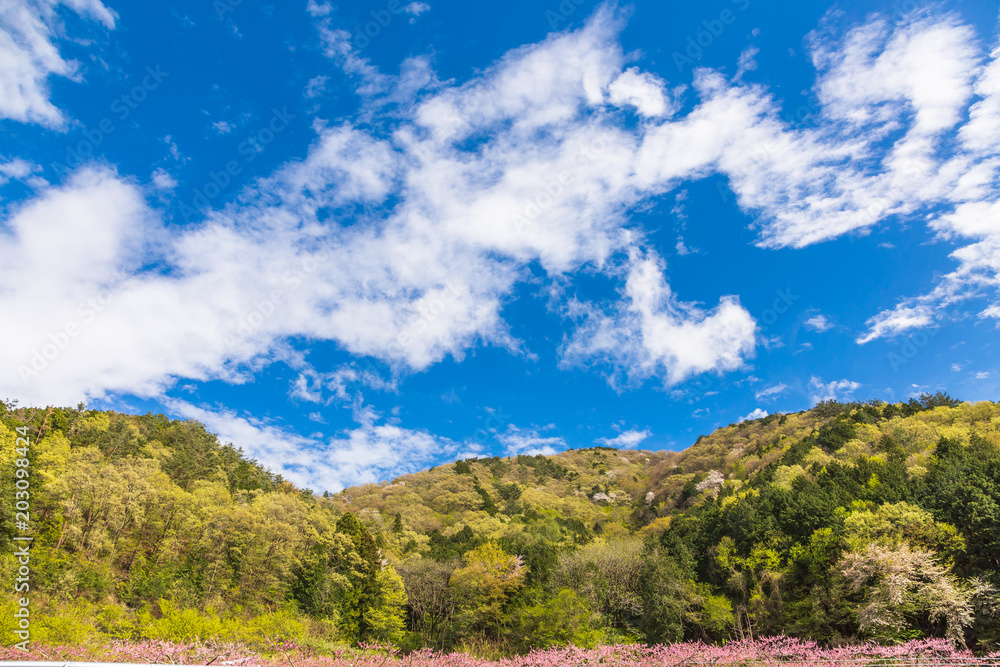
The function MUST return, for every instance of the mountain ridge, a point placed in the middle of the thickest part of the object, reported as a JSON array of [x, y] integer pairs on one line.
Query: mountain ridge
[[795, 523]]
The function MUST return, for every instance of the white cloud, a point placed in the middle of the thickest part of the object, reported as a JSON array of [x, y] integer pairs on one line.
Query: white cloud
[[641, 90], [768, 392], [626, 439], [529, 442], [163, 180], [338, 47], [223, 127], [445, 233], [368, 453], [819, 323], [29, 55], [174, 149], [924, 64], [340, 386], [72, 244], [758, 413], [992, 311], [836, 390], [652, 333], [316, 86], [747, 62], [16, 169], [319, 8], [982, 133], [416, 8], [893, 322], [936, 69], [982, 375]]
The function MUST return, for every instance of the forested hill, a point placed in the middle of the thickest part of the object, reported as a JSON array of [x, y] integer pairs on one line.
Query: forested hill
[[840, 523]]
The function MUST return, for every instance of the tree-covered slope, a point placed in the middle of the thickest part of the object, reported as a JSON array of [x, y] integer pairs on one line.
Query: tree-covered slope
[[840, 523]]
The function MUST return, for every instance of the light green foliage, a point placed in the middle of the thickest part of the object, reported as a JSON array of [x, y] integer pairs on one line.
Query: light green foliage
[[560, 621], [114, 620], [785, 475], [608, 575], [484, 585], [385, 617], [73, 625], [716, 614], [8, 438], [793, 524], [894, 524], [179, 625]]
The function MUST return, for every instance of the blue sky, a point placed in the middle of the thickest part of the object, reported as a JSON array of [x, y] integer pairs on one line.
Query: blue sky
[[360, 240]]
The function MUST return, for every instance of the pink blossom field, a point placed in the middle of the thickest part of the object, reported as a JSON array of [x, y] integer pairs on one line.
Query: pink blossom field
[[769, 651]]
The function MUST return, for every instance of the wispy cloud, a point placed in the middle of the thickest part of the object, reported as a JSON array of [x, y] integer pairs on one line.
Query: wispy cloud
[[362, 455], [651, 333], [770, 392], [29, 30], [819, 323], [626, 439], [529, 441], [835, 390], [417, 8], [896, 321]]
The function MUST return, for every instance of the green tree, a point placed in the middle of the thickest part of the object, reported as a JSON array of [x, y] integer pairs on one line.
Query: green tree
[[384, 617], [559, 621], [484, 584]]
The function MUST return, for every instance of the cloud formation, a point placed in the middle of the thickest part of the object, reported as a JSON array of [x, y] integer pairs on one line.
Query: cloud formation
[[757, 413], [369, 453], [835, 390], [819, 323], [405, 243], [626, 439], [29, 53], [530, 442], [421, 277]]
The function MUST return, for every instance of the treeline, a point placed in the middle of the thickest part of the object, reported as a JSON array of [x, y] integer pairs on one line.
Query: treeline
[[843, 523]]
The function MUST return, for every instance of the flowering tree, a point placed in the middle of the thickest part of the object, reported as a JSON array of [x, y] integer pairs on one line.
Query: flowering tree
[[901, 582]]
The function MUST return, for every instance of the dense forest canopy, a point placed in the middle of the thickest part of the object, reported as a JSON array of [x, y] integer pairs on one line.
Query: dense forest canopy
[[841, 523]]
